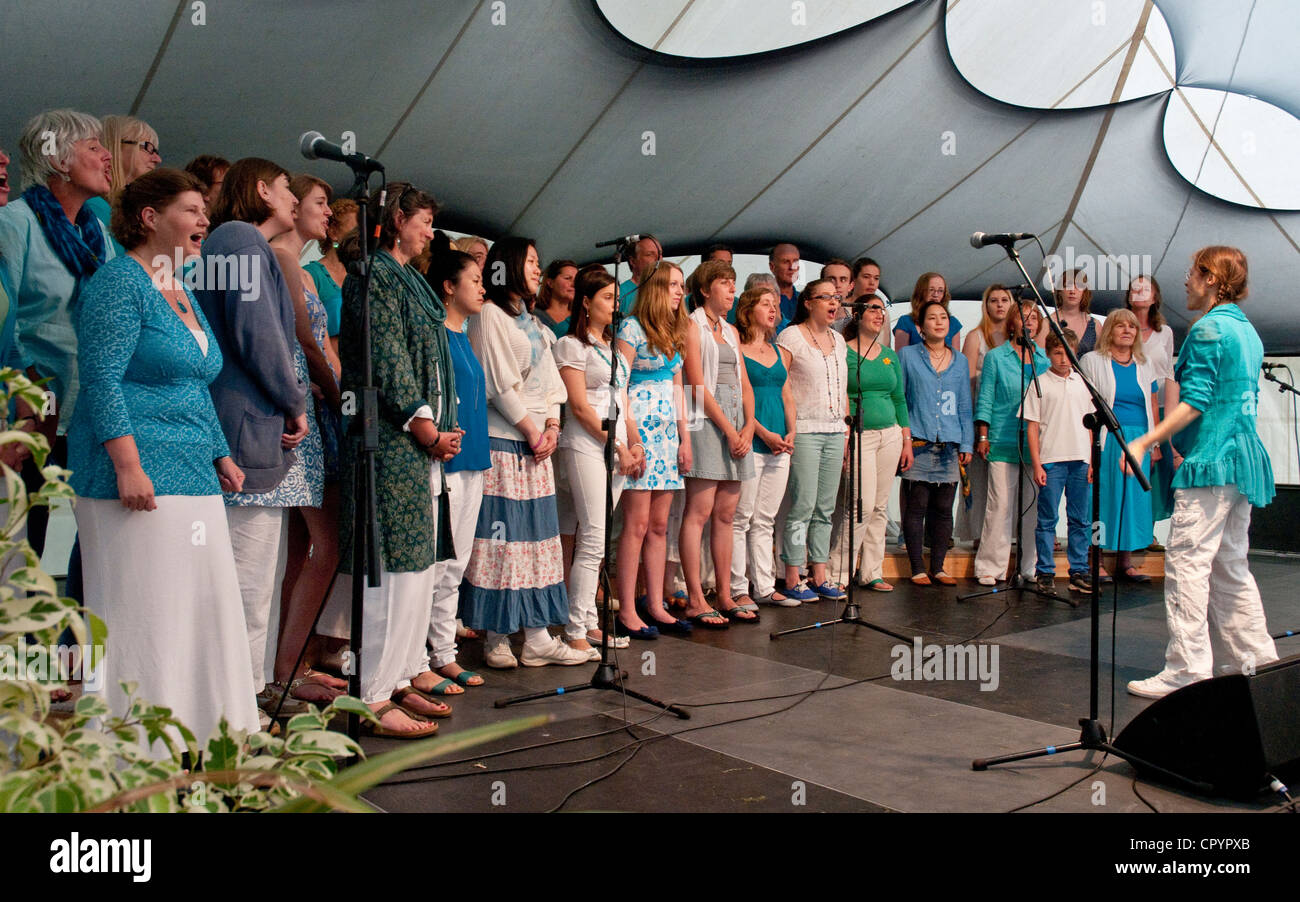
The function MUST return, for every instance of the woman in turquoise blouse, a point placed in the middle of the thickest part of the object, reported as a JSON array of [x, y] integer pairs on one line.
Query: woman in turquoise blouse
[[149, 462], [1225, 471]]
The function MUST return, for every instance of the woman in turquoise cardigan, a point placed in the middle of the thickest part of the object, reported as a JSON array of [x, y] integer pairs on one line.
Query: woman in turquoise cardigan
[[149, 462], [1225, 472], [1009, 369]]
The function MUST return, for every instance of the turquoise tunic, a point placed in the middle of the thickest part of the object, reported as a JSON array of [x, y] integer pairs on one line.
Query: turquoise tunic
[[1218, 374]]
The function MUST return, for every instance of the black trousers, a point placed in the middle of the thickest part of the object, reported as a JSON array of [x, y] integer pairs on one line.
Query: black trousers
[[928, 521]]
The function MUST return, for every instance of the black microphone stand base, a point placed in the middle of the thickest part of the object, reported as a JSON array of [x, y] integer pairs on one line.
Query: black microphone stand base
[[851, 614], [1018, 583], [607, 677], [1092, 737]]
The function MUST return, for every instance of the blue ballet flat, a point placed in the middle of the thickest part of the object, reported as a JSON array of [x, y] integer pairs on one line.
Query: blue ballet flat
[[644, 633]]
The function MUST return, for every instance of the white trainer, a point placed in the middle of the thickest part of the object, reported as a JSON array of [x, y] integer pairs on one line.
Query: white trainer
[[500, 656], [1157, 686], [557, 652]]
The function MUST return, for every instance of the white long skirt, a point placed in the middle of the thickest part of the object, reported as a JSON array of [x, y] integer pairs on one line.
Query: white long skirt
[[165, 583]]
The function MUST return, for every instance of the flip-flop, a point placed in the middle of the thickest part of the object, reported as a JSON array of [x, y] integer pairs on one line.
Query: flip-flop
[[375, 729], [734, 613], [700, 620], [440, 688]]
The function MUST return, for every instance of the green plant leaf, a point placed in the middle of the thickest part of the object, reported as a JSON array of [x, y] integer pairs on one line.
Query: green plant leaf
[[365, 774], [321, 741]]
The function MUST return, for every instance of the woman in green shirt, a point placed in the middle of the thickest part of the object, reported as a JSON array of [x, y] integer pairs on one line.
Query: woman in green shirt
[[883, 440], [1225, 471]]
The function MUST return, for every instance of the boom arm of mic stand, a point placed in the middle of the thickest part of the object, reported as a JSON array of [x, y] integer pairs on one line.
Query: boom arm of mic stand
[[1104, 410]]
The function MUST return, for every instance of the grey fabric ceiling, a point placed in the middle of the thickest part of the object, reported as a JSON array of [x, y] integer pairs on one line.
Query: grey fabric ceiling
[[538, 125]]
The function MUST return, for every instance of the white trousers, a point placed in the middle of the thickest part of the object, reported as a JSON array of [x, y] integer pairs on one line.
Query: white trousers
[[396, 620], [466, 490], [583, 516], [878, 453], [752, 557], [999, 522], [259, 538], [1208, 585]]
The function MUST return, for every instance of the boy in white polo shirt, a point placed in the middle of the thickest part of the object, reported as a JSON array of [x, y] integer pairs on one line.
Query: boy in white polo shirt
[[1058, 447]]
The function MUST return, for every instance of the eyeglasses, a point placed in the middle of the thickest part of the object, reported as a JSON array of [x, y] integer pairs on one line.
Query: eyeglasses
[[827, 297], [147, 146], [874, 308]]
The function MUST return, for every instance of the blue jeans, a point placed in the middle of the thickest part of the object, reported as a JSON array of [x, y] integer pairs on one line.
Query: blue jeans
[[1072, 477]]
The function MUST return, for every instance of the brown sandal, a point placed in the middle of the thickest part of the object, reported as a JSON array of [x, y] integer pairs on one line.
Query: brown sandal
[[431, 699], [376, 729]]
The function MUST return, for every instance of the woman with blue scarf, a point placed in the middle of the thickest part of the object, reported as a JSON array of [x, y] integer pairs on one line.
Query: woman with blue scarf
[[515, 578], [50, 246]]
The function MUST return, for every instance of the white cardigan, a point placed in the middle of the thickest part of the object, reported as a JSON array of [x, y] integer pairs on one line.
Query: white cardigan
[[1097, 369], [709, 360], [514, 390]]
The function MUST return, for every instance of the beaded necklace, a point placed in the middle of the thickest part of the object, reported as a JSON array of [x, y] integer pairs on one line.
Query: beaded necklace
[[831, 397]]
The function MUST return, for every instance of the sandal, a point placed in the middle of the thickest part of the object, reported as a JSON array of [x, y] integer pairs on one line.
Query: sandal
[[736, 613], [678, 599], [408, 691], [879, 585], [324, 689], [465, 678], [1134, 575], [377, 729], [710, 620], [445, 686]]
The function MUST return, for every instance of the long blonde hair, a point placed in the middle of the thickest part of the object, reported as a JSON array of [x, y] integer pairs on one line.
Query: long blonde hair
[[665, 329], [1108, 328], [116, 130]]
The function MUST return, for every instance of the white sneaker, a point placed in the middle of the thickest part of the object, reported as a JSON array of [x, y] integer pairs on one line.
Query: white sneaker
[[987, 581], [1157, 686], [557, 652], [500, 656]]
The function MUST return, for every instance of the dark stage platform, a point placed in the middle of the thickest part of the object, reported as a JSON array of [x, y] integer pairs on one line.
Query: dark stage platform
[[863, 741]]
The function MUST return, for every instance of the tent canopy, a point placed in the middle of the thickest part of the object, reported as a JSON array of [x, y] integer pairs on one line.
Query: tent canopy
[[873, 127]]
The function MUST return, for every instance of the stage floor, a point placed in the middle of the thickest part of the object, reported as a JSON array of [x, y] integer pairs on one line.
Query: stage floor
[[863, 741]]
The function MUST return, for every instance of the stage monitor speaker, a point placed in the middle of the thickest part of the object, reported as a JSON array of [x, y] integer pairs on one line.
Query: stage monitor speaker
[[1226, 733]]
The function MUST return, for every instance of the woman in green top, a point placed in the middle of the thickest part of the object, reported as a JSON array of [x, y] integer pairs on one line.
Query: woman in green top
[[883, 441], [1225, 471]]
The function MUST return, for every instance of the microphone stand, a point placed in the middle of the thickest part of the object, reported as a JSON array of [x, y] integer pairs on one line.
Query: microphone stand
[[1092, 735], [852, 613], [608, 675], [1282, 388]]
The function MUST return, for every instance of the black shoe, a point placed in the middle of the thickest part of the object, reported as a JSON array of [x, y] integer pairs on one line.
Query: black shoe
[[1079, 583], [1046, 583]]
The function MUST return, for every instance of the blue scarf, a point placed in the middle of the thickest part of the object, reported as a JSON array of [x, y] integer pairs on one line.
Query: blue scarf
[[81, 248]]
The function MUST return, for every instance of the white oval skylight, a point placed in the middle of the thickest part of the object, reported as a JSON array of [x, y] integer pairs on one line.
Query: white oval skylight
[[720, 28], [1061, 54], [1234, 147]]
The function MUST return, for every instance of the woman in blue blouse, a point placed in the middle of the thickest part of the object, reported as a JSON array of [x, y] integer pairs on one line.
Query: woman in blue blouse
[[936, 382], [929, 287], [1225, 471], [458, 282], [149, 464], [1009, 370]]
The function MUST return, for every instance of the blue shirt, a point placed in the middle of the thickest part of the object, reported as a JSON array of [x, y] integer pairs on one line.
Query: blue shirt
[[788, 307], [1218, 374], [1000, 384], [471, 406], [103, 211], [627, 297], [905, 324], [938, 404], [44, 292], [330, 294], [143, 374]]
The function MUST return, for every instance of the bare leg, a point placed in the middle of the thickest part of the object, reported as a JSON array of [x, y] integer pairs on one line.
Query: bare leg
[[721, 528], [699, 507], [313, 581], [633, 543]]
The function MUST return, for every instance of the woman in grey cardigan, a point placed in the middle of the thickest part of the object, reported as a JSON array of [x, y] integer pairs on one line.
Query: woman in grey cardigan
[[261, 393]]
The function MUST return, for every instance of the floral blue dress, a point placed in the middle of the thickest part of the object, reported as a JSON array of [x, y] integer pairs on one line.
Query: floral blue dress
[[304, 484], [331, 426], [650, 394]]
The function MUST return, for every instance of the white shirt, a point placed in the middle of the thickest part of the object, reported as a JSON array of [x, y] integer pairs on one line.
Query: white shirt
[[593, 361], [1060, 412], [818, 382]]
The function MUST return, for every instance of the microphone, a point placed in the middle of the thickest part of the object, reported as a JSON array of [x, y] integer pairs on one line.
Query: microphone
[[314, 146], [626, 239], [1006, 239], [1266, 366]]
